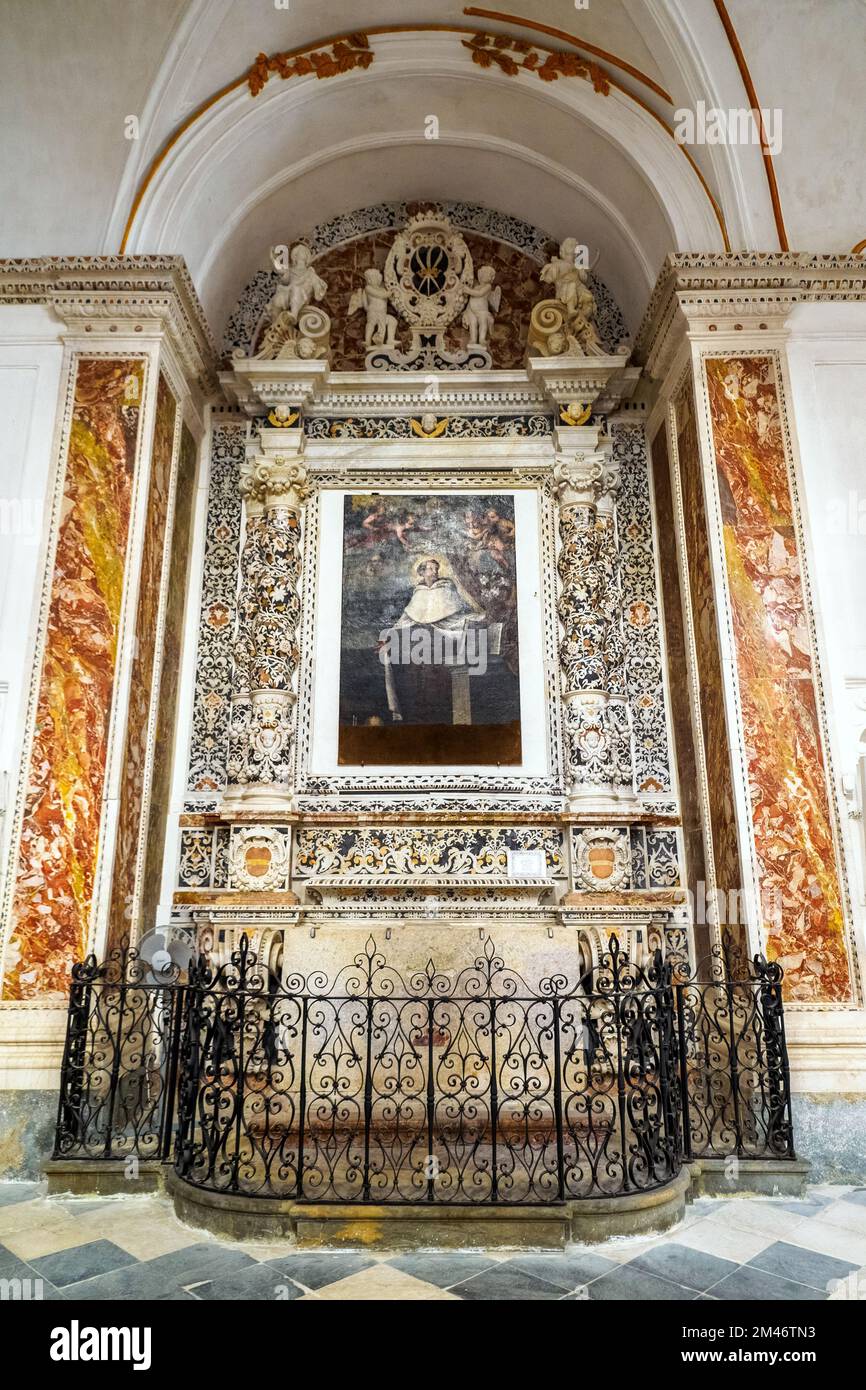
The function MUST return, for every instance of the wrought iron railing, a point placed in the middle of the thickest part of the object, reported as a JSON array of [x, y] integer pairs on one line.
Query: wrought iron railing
[[118, 1083], [475, 1089]]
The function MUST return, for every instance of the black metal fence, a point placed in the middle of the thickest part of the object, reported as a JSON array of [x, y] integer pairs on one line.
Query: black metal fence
[[469, 1090]]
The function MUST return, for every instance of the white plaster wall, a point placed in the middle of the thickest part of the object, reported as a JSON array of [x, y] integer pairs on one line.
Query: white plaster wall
[[31, 357], [827, 365]]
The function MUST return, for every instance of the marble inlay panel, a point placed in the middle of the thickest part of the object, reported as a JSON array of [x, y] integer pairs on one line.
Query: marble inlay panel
[[60, 832], [420, 851], [141, 677], [792, 822], [212, 699], [640, 609]]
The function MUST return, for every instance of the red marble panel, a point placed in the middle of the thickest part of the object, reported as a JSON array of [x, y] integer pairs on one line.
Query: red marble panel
[[63, 804], [792, 821], [141, 677], [723, 824]]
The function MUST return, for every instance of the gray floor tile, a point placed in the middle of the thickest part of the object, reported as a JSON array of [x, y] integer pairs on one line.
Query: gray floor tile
[[704, 1206], [442, 1267], [636, 1285], [165, 1275], [681, 1265], [316, 1269], [262, 1283], [566, 1271], [82, 1262], [501, 1283], [11, 1192], [754, 1285], [803, 1207], [199, 1262], [135, 1281], [12, 1267], [803, 1266]]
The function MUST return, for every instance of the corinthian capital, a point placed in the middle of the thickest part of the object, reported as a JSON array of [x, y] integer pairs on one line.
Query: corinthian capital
[[578, 478], [275, 482]]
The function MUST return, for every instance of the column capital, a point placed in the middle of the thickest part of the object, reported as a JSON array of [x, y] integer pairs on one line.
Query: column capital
[[586, 479], [274, 481]]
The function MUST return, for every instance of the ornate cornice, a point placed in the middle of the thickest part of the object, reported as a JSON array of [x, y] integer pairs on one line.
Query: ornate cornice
[[738, 290], [100, 294]]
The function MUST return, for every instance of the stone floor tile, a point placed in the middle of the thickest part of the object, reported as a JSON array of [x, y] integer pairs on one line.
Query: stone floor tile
[[803, 1266], [679, 1264], [316, 1268], [828, 1239], [258, 1282], [505, 1282], [81, 1262], [728, 1242], [565, 1271], [442, 1267], [755, 1286], [765, 1218], [24, 1216], [11, 1193], [383, 1282], [850, 1216], [136, 1281], [60, 1233], [632, 1285]]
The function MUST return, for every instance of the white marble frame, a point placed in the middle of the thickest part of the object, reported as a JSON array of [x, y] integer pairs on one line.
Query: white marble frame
[[542, 772]]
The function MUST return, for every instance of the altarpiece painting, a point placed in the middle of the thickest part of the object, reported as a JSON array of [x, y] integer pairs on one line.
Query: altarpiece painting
[[429, 655]]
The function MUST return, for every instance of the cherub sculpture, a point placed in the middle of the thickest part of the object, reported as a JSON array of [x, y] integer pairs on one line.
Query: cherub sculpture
[[299, 286], [300, 283], [570, 283], [372, 297], [482, 304]]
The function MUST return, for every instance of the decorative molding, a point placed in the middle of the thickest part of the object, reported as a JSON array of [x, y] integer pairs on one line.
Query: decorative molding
[[342, 56], [738, 291], [496, 49], [244, 324], [129, 294], [338, 475], [429, 427]]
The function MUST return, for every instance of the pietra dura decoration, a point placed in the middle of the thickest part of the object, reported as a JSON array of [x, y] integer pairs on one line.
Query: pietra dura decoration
[[444, 689]]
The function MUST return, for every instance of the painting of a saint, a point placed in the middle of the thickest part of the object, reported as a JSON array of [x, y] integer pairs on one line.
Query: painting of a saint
[[429, 664]]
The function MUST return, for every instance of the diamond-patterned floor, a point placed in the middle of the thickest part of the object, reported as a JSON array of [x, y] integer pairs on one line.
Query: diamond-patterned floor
[[134, 1247]]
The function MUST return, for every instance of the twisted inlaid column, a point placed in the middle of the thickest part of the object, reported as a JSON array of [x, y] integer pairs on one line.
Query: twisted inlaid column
[[596, 716], [266, 652]]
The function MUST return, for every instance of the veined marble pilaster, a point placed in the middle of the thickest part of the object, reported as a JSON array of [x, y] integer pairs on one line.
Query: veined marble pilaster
[[597, 723], [266, 652]]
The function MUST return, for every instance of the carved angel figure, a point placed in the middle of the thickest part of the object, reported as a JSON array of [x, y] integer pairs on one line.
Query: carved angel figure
[[298, 285], [483, 303], [570, 283], [372, 297]]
